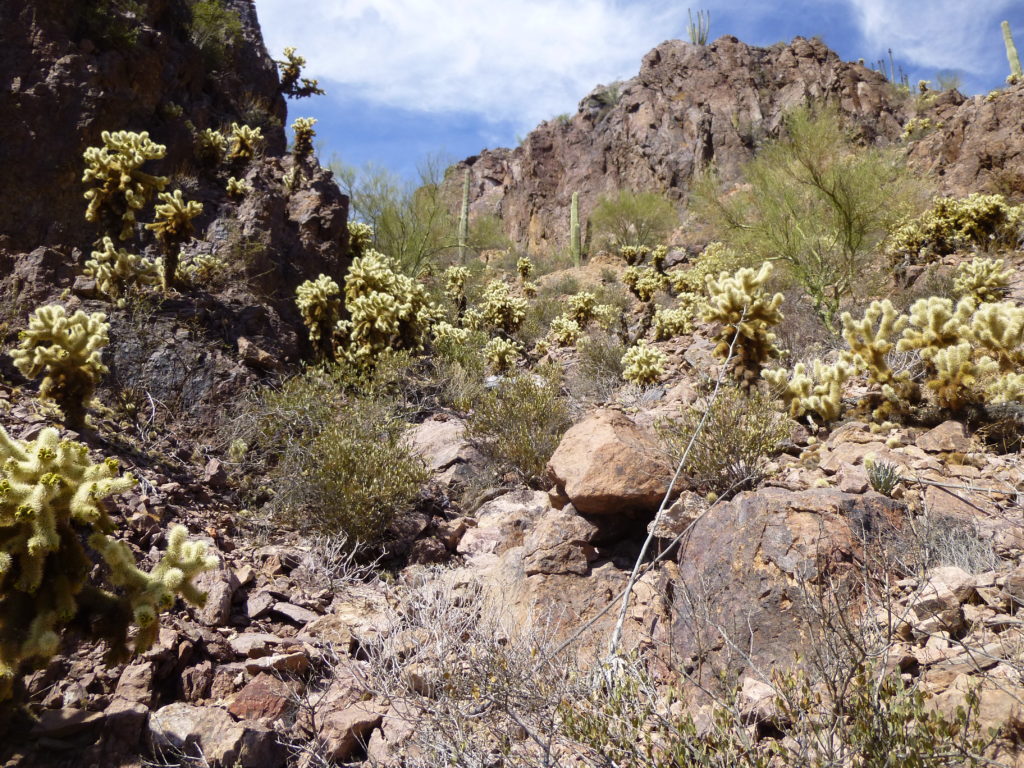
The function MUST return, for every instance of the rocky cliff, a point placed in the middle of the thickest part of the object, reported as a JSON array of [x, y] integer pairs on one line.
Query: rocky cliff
[[690, 106]]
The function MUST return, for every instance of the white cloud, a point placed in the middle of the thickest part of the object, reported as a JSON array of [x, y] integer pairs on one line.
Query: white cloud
[[507, 60], [944, 34]]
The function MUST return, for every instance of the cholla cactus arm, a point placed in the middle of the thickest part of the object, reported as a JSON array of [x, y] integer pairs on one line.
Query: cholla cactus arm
[[319, 303], [304, 133], [871, 338], [211, 146], [120, 188], [643, 365], [820, 393], [501, 309], [115, 270], [292, 82], [644, 282], [983, 280], [524, 267], [582, 307], [739, 304], [935, 324], [502, 353], [67, 353], [245, 142], [360, 237], [669, 323], [565, 331], [999, 328], [173, 227], [238, 187], [957, 374]]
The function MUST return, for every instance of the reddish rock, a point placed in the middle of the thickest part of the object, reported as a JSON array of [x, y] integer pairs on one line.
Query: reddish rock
[[264, 699], [948, 436]]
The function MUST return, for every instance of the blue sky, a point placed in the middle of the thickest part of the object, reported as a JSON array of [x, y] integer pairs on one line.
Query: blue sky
[[407, 78]]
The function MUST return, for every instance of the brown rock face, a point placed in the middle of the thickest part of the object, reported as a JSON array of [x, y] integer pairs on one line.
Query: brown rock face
[[690, 106], [607, 465]]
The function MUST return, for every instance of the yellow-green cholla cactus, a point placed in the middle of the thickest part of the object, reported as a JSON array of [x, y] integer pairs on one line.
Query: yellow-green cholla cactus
[[739, 304], [643, 365], [669, 323], [1006, 388], [447, 335], [634, 255], [360, 237], [714, 259], [954, 224], [524, 267], [292, 82], [319, 303], [501, 309], [956, 374], [565, 331], [244, 142], [203, 269], [173, 228], [935, 324], [529, 289], [982, 280], [51, 501], [871, 340], [820, 393], [581, 307], [387, 310], [999, 329], [211, 146], [238, 187], [116, 271], [120, 187], [502, 353], [644, 282], [67, 353], [304, 133]]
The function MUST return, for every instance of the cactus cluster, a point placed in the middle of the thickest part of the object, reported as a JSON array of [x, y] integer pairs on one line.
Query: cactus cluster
[[644, 282], [319, 303], [642, 364], [237, 187], [953, 224], [565, 331], [714, 259], [120, 187], [502, 353], [740, 306], [984, 280], [360, 237], [304, 133], [67, 353], [211, 146], [819, 392], [51, 501], [116, 271], [292, 82], [500, 309], [244, 142], [173, 227], [669, 323]]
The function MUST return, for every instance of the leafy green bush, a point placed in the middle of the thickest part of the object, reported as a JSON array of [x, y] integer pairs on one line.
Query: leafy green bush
[[520, 422], [742, 432], [214, 29], [633, 219], [329, 444]]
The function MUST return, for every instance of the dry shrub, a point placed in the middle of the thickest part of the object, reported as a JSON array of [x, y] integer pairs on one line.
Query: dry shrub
[[742, 432], [598, 372]]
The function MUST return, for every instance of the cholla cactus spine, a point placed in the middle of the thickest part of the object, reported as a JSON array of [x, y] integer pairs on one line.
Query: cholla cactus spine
[[121, 188], [304, 133], [115, 270], [67, 353], [49, 490], [643, 365]]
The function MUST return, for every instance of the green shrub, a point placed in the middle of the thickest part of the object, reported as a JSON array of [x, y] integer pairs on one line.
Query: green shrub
[[633, 219], [520, 422], [329, 443], [742, 432], [214, 29]]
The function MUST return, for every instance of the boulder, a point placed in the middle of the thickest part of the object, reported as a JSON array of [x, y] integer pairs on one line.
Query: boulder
[[560, 543], [948, 436], [183, 729], [607, 465], [503, 523]]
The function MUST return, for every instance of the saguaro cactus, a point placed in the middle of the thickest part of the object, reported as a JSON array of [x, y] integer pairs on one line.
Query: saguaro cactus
[[574, 229], [1011, 55], [464, 218]]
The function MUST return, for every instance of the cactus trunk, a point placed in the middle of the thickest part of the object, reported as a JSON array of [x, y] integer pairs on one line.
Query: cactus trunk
[[464, 218], [1011, 52], [574, 229]]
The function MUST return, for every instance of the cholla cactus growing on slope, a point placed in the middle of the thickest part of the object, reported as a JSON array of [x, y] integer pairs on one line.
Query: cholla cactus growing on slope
[[739, 304], [238, 187], [304, 133], [565, 331], [319, 303], [292, 82], [982, 280], [999, 329], [643, 365], [820, 393], [66, 352], [120, 187], [871, 340], [387, 310], [173, 227], [116, 271], [525, 268], [360, 237], [501, 309], [50, 494], [502, 353], [245, 142], [211, 146], [644, 282]]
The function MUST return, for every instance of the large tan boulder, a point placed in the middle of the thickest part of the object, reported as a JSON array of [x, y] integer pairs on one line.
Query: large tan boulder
[[607, 465]]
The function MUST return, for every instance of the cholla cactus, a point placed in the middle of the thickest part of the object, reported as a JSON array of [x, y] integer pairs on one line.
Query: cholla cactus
[[935, 324], [820, 393], [565, 331], [658, 256], [502, 353], [669, 323], [743, 310], [50, 493], [211, 146], [529, 289], [956, 373], [203, 269], [121, 188], [245, 142], [644, 282], [388, 310], [634, 255], [525, 268], [1007, 388], [982, 280], [319, 303], [115, 270], [173, 227], [67, 353], [581, 307], [304, 133], [360, 237], [999, 328], [643, 365], [448, 335], [501, 309], [715, 258], [292, 82], [238, 187], [291, 178], [871, 342]]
